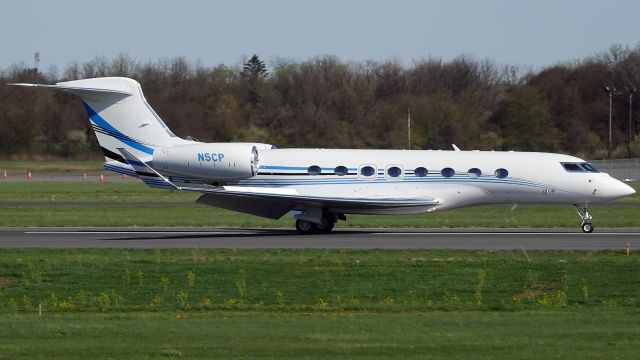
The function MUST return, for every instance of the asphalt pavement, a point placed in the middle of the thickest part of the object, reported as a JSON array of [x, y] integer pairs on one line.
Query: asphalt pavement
[[341, 238]]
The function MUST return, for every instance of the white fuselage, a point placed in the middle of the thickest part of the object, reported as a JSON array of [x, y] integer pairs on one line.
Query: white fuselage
[[532, 177]]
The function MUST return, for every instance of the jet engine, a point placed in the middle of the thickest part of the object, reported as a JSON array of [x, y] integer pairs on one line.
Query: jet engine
[[209, 161]]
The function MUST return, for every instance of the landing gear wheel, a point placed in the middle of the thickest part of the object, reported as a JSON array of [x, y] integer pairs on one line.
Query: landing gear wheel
[[305, 227], [584, 214], [587, 227], [326, 225]]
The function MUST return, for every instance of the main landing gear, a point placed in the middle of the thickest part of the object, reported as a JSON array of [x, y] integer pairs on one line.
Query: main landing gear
[[584, 214], [326, 224]]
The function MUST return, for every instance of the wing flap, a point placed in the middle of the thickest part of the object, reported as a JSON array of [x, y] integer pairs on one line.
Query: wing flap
[[259, 206]]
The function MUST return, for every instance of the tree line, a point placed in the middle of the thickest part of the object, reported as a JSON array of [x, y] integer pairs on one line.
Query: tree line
[[325, 102]]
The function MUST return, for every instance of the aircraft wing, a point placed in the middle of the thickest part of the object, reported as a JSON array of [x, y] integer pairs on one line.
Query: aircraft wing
[[274, 202], [273, 205]]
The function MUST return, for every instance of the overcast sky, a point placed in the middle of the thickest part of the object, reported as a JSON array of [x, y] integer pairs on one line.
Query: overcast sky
[[534, 33]]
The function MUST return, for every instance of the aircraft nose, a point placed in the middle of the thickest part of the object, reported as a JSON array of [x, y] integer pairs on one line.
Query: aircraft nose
[[619, 189]]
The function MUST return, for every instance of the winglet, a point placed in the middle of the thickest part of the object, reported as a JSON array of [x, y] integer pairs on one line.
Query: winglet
[[455, 147], [146, 173]]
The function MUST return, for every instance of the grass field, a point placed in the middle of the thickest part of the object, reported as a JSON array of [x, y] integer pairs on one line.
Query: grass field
[[42, 165], [610, 334], [274, 304], [181, 210], [318, 303]]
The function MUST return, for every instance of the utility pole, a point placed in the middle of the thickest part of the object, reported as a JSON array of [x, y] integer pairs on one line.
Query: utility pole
[[409, 129], [631, 91], [36, 60], [610, 90]]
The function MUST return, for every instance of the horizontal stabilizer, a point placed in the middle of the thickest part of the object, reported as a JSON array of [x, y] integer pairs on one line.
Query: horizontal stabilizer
[[75, 89]]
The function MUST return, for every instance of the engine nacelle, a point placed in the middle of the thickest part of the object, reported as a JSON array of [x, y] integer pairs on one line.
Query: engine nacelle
[[210, 161]]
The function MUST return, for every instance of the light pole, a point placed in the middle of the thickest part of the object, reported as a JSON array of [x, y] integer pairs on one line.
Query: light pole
[[611, 91], [409, 129], [631, 91]]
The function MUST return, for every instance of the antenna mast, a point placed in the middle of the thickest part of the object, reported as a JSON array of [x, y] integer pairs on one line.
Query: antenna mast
[[36, 60], [408, 128]]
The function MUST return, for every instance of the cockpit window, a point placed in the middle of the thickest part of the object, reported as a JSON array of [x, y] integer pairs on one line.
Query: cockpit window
[[579, 167], [589, 167], [572, 167]]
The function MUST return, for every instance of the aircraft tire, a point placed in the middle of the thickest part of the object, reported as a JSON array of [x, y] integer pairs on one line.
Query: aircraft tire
[[587, 228], [326, 226], [305, 227]]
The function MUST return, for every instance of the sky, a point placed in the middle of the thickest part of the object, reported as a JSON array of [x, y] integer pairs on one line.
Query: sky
[[533, 33]]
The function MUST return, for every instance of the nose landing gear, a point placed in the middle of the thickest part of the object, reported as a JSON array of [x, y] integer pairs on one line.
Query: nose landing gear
[[584, 214]]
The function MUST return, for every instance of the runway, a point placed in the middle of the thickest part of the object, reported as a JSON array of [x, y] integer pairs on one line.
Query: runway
[[220, 238]]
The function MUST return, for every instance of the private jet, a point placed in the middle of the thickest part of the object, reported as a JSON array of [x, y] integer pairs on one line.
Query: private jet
[[321, 186]]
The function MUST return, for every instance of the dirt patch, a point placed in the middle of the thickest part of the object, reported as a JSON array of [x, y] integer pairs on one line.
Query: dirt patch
[[6, 281], [528, 294], [532, 292]]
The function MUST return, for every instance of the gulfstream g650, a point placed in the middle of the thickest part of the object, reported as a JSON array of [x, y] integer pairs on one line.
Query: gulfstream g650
[[321, 186]]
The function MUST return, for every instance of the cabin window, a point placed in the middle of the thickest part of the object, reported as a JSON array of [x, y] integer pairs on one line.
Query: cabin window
[[501, 173], [420, 171], [341, 170], [448, 172], [394, 171], [314, 170], [572, 167], [474, 173], [367, 171]]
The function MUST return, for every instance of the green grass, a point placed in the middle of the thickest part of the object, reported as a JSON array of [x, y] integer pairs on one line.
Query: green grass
[[443, 335], [318, 304], [315, 280], [183, 212], [91, 191], [51, 165]]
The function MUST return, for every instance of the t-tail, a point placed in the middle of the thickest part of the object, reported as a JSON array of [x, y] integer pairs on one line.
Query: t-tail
[[120, 117], [124, 123]]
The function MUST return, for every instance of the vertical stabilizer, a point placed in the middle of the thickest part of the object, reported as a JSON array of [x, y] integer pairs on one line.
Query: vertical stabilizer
[[120, 116]]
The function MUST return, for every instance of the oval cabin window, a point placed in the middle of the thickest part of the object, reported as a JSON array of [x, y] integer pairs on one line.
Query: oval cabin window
[[501, 173], [448, 172], [314, 170], [474, 173], [394, 171], [341, 170], [367, 171], [420, 171]]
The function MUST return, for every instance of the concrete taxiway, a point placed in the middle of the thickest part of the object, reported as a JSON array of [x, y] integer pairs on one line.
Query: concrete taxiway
[[471, 239]]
